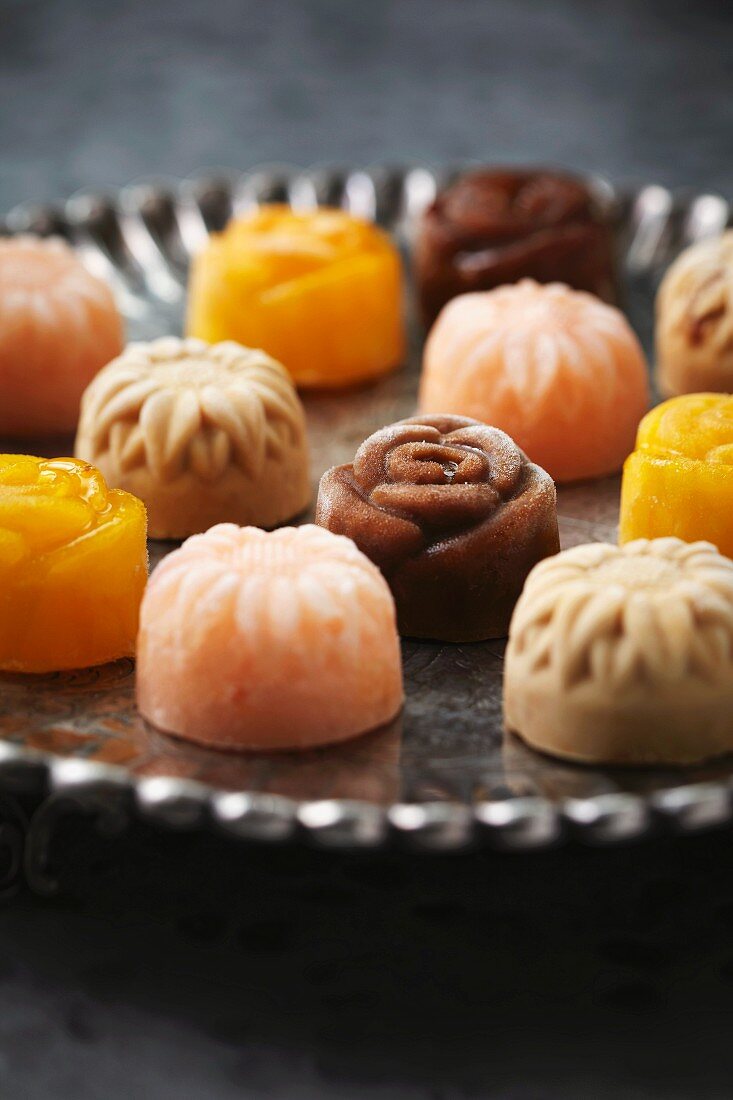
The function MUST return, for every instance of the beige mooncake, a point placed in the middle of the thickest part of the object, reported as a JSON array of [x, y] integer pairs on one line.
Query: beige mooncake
[[268, 640], [694, 323], [202, 433], [624, 655]]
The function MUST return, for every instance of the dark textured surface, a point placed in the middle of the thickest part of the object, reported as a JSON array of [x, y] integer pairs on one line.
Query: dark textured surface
[[186, 969]]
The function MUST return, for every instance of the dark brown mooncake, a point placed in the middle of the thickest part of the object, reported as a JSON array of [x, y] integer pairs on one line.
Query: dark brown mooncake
[[455, 516]]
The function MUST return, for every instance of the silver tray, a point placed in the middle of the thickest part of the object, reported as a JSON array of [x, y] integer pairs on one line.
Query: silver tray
[[444, 775]]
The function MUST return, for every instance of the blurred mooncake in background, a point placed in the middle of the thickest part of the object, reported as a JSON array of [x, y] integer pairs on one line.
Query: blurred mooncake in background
[[558, 370], [453, 514], [58, 326], [694, 320], [203, 434], [679, 479], [499, 225], [73, 566], [250, 640], [625, 655], [320, 291]]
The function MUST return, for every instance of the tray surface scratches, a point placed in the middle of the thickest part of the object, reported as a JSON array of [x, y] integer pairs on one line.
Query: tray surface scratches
[[444, 773]]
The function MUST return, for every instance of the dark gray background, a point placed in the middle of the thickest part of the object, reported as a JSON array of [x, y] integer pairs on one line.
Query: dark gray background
[[170, 967], [98, 92]]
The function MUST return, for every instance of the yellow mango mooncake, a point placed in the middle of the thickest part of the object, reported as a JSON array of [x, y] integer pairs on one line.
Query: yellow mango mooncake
[[320, 291], [73, 566], [679, 480]]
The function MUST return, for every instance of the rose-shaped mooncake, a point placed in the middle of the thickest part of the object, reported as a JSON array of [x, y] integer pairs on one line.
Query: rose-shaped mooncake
[[679, 479], [694, 326], [202, 433], [561, 372], [625, 655], [280, 640], [495, 226], [73, 566], [320, 290], [454, 515], [58, 326]]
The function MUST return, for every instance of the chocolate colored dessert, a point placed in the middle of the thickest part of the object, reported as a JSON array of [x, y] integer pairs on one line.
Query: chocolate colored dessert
[[455, 516], [496, 226]]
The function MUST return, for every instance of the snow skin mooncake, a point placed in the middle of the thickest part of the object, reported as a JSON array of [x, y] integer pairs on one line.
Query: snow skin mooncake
[[203, 434], [625, 655], [694, 319], [558, 370], [73, 566], [320, 290], [454, 515], [58, 326], [255, 640]]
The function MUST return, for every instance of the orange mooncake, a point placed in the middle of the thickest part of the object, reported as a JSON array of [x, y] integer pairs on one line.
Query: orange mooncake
[[320, 291], [58, 326], [256, 640], [558, 370], [679, 480], [73, 566]]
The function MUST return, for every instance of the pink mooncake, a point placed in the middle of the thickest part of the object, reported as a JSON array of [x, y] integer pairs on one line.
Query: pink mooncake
[[558, 370], [58, 326], [257, 640]]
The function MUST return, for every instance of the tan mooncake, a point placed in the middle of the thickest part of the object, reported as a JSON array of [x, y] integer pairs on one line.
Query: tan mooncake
[[624, 655], [202, 433]]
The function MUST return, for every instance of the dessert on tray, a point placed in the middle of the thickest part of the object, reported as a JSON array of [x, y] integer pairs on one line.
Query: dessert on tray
[[250, 640], [679, 480], [694, 324], [625, 655], [321, 291], [454, 515], [499, 225], [202, 433], [558, 370], [58, 326], [73, 566]]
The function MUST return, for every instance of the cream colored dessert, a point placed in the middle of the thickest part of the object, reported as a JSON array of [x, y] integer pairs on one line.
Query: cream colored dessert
[[624, 655], [694, 328], [202, 433]]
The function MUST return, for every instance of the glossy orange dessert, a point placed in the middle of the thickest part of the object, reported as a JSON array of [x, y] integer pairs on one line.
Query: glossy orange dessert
[[679, 480], [58, 326], [73, 566], [319, 291], [255, 640], [558, 370]]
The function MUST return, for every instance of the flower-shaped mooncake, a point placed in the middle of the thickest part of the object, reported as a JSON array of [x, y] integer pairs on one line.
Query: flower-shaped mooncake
[[320, 290], [498, 225], [679, 480], [453, 514], [73, 566], [255, 640], [694, 325], [625, 655], [202, 434], [58, 326], [559, 371]]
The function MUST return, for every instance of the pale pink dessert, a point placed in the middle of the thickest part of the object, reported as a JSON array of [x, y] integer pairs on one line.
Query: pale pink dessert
[[59, 325], [257, 640]]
